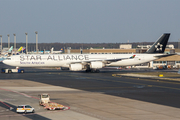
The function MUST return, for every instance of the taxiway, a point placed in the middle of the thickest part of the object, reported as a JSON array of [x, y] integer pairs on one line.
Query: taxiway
[[90, 96]]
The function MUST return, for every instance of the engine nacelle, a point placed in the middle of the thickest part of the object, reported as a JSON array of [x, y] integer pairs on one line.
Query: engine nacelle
[[76, 67], [97, 65]]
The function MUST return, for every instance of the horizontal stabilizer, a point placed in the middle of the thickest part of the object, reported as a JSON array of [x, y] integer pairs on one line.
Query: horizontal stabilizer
[[164, 55]]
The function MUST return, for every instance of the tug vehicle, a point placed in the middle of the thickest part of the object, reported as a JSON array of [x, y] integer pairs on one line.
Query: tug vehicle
[[7, 70], [45, 101]]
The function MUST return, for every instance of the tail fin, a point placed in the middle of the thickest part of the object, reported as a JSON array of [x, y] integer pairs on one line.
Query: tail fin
[[61, 50], [10, 49], [160, 45], [20, 49], [23, 49]]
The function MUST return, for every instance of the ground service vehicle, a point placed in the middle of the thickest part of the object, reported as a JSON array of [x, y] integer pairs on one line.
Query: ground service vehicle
[[45, 101], [25, 109], [7, 70]]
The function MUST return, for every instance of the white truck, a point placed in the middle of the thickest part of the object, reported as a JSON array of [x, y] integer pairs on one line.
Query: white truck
[[45, 101]]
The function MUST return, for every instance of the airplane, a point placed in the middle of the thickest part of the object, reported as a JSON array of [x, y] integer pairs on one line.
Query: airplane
[[56, 52], [5, 53], [90, 62], [20, 50], [1, 59], [47, 51], [10, 52], [10, 49]]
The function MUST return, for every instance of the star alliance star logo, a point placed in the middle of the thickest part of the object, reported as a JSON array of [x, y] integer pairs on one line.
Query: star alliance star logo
[[158, 47]]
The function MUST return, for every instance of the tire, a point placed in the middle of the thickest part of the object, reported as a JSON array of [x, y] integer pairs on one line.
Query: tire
[[88, 70], [40, 103], [9, 71], [25, 111], [92, 70], [22, 71], [33, 111], [97, 71]]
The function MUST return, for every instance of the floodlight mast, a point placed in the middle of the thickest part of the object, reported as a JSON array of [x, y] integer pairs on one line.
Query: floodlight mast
[[14, 43], [26, 42], [36, 41], [8, 41], [1, 43]]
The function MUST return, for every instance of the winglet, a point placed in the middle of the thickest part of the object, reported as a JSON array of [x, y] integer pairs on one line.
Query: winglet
[[160, 45]]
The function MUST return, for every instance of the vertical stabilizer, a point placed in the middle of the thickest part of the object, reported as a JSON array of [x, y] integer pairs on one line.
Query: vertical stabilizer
[[160, 45], [19, 50], [10, 49]]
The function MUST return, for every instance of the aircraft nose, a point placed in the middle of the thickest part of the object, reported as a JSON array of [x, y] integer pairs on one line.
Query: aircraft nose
[[4, 61]]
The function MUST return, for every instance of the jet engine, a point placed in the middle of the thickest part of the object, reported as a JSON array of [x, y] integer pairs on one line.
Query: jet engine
[[76, 67], [97, 65]]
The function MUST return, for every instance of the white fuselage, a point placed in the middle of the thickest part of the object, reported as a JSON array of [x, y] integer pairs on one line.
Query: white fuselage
[[64, 60]]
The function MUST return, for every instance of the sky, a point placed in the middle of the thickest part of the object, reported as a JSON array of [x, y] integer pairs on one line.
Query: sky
[[89, 21]]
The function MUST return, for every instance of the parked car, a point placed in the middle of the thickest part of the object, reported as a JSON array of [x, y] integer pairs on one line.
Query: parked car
[[25, 109]]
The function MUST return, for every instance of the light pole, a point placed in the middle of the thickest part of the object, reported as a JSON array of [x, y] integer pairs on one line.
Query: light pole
[[1, 43], [15, 43], [8, 41], [36, 41], [26, 43]]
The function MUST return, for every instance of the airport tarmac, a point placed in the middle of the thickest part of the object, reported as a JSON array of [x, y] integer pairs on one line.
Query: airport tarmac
[[90, 96]]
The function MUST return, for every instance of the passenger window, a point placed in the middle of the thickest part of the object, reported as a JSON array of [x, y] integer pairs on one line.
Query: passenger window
[[20, 106], [27, 106]]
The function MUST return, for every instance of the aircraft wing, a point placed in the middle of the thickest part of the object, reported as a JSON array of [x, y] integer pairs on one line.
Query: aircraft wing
[[106, 61]]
